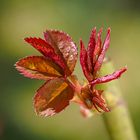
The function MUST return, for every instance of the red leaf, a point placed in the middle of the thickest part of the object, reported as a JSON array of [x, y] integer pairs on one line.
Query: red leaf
[[39, 67], [97, 47], [52, 97], [46, 49], [90, 49], [86, 96], [99, 61], [109, 77], [97, 102], [83, 61], [64, 47]]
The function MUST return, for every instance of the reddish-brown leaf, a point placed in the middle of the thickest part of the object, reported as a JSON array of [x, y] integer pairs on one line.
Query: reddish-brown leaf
[[109, 77], [83, 61], [97, 46], [64, 47], [86, 97], [101, 56], [97, 103], [39, 67], [46, 49], [90, 49], [52, 97]]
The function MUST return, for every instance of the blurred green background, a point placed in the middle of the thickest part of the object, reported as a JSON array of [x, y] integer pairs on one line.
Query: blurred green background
[[19, 19]]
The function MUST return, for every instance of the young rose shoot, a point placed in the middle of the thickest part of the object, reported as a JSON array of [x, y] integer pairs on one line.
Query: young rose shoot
[[56, 66]]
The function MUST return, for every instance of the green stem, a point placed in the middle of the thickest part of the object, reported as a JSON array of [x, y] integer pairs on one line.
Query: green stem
[[118, 121]]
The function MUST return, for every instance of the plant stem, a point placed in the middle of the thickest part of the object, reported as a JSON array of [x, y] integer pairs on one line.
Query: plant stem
[[118, 121]]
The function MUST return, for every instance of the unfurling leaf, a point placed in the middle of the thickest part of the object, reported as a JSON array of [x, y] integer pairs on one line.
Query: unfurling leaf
[[98, 46], [92, 58], [103, 50], [64, 47], [117, 74], [91, 61], [90, 50], [52, 97], [39, 67], [83, 61]]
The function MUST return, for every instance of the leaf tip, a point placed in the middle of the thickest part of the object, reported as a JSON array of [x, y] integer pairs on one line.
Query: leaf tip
[[81, 44], [100, 30], [27, 39], [124, 69], [109, 30], [94, 30]]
